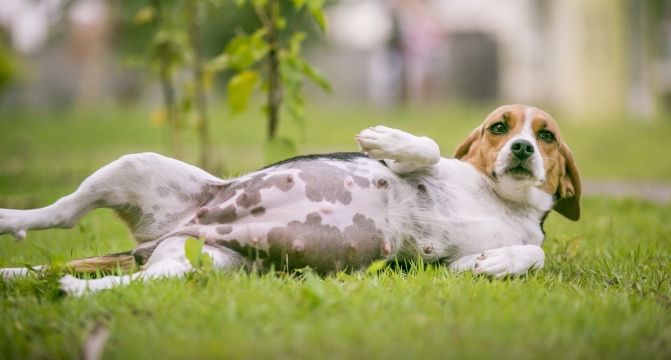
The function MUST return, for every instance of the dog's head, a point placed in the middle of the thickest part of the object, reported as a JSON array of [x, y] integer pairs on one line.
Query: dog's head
[[520, 147]]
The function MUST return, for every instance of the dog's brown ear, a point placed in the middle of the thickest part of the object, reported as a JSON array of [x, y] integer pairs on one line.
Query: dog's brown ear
[[467, 145], [569, 188]]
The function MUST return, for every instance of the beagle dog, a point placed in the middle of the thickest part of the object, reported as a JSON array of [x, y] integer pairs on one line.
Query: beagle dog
[[481, 211]]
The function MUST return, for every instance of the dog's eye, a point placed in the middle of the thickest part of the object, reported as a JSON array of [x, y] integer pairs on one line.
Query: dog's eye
[[546, 136], [498, 129]]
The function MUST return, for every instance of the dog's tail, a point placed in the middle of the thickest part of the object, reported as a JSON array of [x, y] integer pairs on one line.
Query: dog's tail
[[124, 261]]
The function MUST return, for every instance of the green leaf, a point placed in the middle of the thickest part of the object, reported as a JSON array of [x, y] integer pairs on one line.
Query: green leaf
[[193, 250], [168, 45], [245, 50], [320, 18], [294, 46], [279, 149], [240, 89], [298, 4], [376, 266], [259, 3], [317, 77], [281, 23], [315, 4], [144, 15], [217, 64], [313, 289], [223, 2]]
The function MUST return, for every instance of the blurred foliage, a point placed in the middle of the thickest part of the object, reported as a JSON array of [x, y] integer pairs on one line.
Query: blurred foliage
[[269, 58], [9, 67], [223, 21], [253, 45]]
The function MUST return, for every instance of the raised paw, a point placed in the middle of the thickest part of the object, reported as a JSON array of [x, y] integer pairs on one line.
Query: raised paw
[[381, 142]]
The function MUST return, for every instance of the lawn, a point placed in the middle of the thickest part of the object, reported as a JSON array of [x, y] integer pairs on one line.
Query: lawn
[[605, 291]]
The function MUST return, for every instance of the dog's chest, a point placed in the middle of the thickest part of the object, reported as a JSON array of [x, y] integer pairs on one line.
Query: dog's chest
[[465, 216]]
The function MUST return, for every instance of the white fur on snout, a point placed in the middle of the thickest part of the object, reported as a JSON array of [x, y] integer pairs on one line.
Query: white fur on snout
[[522, 190], [506, 158]]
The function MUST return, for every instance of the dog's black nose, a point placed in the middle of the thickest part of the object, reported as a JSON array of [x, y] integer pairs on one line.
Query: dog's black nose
[[522, 149]]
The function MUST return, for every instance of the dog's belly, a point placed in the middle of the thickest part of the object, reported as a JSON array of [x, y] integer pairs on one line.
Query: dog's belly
[[318, 214]]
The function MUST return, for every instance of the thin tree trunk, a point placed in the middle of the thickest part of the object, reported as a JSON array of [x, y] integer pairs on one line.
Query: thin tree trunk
[[169, 99], [274, 86], [199, 85], [169, 96]]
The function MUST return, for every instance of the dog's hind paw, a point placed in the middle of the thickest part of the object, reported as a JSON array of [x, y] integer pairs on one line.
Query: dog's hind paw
[[8, 220], [18, 234], [73, 286]]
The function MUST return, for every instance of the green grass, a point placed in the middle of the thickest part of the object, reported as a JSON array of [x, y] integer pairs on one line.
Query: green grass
[[605, 291]]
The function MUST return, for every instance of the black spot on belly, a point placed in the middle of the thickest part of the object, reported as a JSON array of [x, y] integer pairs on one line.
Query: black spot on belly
[[251, 188], [381, 184], [361, 181], [223, 230], [258, 211], [323, 247], [326, 182], [248, 199], [217, 215]]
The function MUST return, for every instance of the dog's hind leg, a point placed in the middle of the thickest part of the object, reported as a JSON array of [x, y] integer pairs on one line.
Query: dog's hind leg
[[168, 260], [150, 192]]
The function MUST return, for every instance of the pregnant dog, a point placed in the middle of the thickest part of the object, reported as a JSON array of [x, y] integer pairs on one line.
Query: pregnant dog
[[483, 210]]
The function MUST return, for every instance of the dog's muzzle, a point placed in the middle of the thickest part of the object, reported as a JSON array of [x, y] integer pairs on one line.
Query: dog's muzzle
[[520, 163], [522, 149]]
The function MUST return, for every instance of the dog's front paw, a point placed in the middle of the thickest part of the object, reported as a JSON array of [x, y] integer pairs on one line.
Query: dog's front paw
[[464, 263], [381, 142], [510, 260], [513, 260], [73, 286]]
